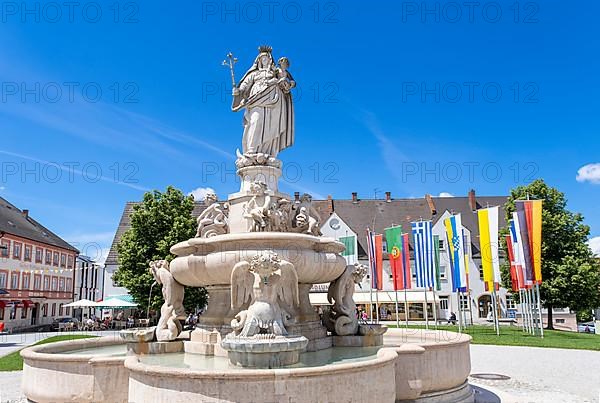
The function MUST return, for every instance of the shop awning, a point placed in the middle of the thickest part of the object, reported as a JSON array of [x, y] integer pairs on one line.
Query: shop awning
[[384, 297]]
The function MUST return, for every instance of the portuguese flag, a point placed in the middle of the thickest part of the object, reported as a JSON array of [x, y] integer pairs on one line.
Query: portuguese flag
[[393, 236]]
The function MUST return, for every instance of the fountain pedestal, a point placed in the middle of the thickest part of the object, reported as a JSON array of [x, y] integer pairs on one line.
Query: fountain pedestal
[[264, 352]]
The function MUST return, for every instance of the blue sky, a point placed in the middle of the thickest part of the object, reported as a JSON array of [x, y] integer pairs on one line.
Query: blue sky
[[106, 100]]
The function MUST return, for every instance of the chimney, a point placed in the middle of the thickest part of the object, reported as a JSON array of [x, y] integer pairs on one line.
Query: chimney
[[472, 200], [296, 196], [354, 197], [329, 204], [431, 204], [388, 196], [25, 213]]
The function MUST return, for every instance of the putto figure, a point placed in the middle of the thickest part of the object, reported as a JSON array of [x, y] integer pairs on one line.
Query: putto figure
[[264, 93]]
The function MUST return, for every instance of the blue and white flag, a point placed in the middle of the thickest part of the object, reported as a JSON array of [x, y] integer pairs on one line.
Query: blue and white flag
[[456, 252], [424, 254]]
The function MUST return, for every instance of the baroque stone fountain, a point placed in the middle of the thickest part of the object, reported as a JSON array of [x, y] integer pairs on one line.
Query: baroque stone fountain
[[258, 255]]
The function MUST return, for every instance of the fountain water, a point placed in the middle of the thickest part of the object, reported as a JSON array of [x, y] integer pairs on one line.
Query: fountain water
[[258, 255]]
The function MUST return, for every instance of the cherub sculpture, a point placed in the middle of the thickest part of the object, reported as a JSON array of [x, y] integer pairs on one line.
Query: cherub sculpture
[[213, 220], [172, 311], [257, 208], [264, 282]]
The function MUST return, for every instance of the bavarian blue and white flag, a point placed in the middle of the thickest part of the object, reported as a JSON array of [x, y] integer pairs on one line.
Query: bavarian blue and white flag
[[456, 252], [424, 253]]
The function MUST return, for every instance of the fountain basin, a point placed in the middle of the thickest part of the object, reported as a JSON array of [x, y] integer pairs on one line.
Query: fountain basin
[[415, 364], [149, 383], [52, 373], [202, 262]]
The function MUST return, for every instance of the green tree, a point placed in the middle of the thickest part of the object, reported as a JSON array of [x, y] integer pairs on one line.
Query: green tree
[[570, 274], [158, 222]]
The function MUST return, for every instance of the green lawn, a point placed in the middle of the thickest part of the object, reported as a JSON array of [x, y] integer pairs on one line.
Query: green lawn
[[514, 336], [14, 362]]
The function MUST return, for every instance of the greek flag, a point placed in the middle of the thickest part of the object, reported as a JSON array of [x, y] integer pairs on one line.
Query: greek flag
[[424, 253]]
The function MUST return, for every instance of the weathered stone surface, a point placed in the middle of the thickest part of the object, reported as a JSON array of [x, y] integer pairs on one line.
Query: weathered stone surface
[[358, 341], [257, 352], [138, 335], [156, 347]]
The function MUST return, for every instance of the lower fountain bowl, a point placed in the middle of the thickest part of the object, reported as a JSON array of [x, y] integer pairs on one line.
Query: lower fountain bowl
[[252, 352]]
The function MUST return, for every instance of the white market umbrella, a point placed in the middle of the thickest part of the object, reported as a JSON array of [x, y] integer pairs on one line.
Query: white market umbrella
[[83, 303], [115, 303]]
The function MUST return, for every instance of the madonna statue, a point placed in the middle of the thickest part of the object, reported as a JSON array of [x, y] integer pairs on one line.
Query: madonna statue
[[264, 94]]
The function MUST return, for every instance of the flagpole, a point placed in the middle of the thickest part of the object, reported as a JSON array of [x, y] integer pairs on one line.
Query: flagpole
[[397, 317], [537, 290], [434, 310], [495, 307], [426, 311], [377, 304], [521, 305], [533, 313], [371, 275], [459, 313], [534, 309], [529, 312], [405, 306]]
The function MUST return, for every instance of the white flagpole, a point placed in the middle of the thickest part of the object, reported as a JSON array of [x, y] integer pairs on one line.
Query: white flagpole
[[530, 312], [522, 309], [460, 324], [377, 304], [397, 317], [495, 308], [534, 311], [537, 290], [405, 306], [434, 310], [426, 311], [370, 276]]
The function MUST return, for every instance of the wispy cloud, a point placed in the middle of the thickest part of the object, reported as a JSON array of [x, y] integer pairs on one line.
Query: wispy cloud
[[72, 170], [391, 154]]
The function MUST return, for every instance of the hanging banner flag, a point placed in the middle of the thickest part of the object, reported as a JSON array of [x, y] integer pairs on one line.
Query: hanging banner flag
[[424, 254], [521, 249], [436, 258], [351, 252], [453, 226], [375, 245], [406, 272], [516, 254], [520, 218], [393, 237], [467, 252], [533, 218], [514, 279], [488, 242]]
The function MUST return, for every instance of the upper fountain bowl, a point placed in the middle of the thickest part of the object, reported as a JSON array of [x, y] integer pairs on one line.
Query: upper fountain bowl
[[202, 262]]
